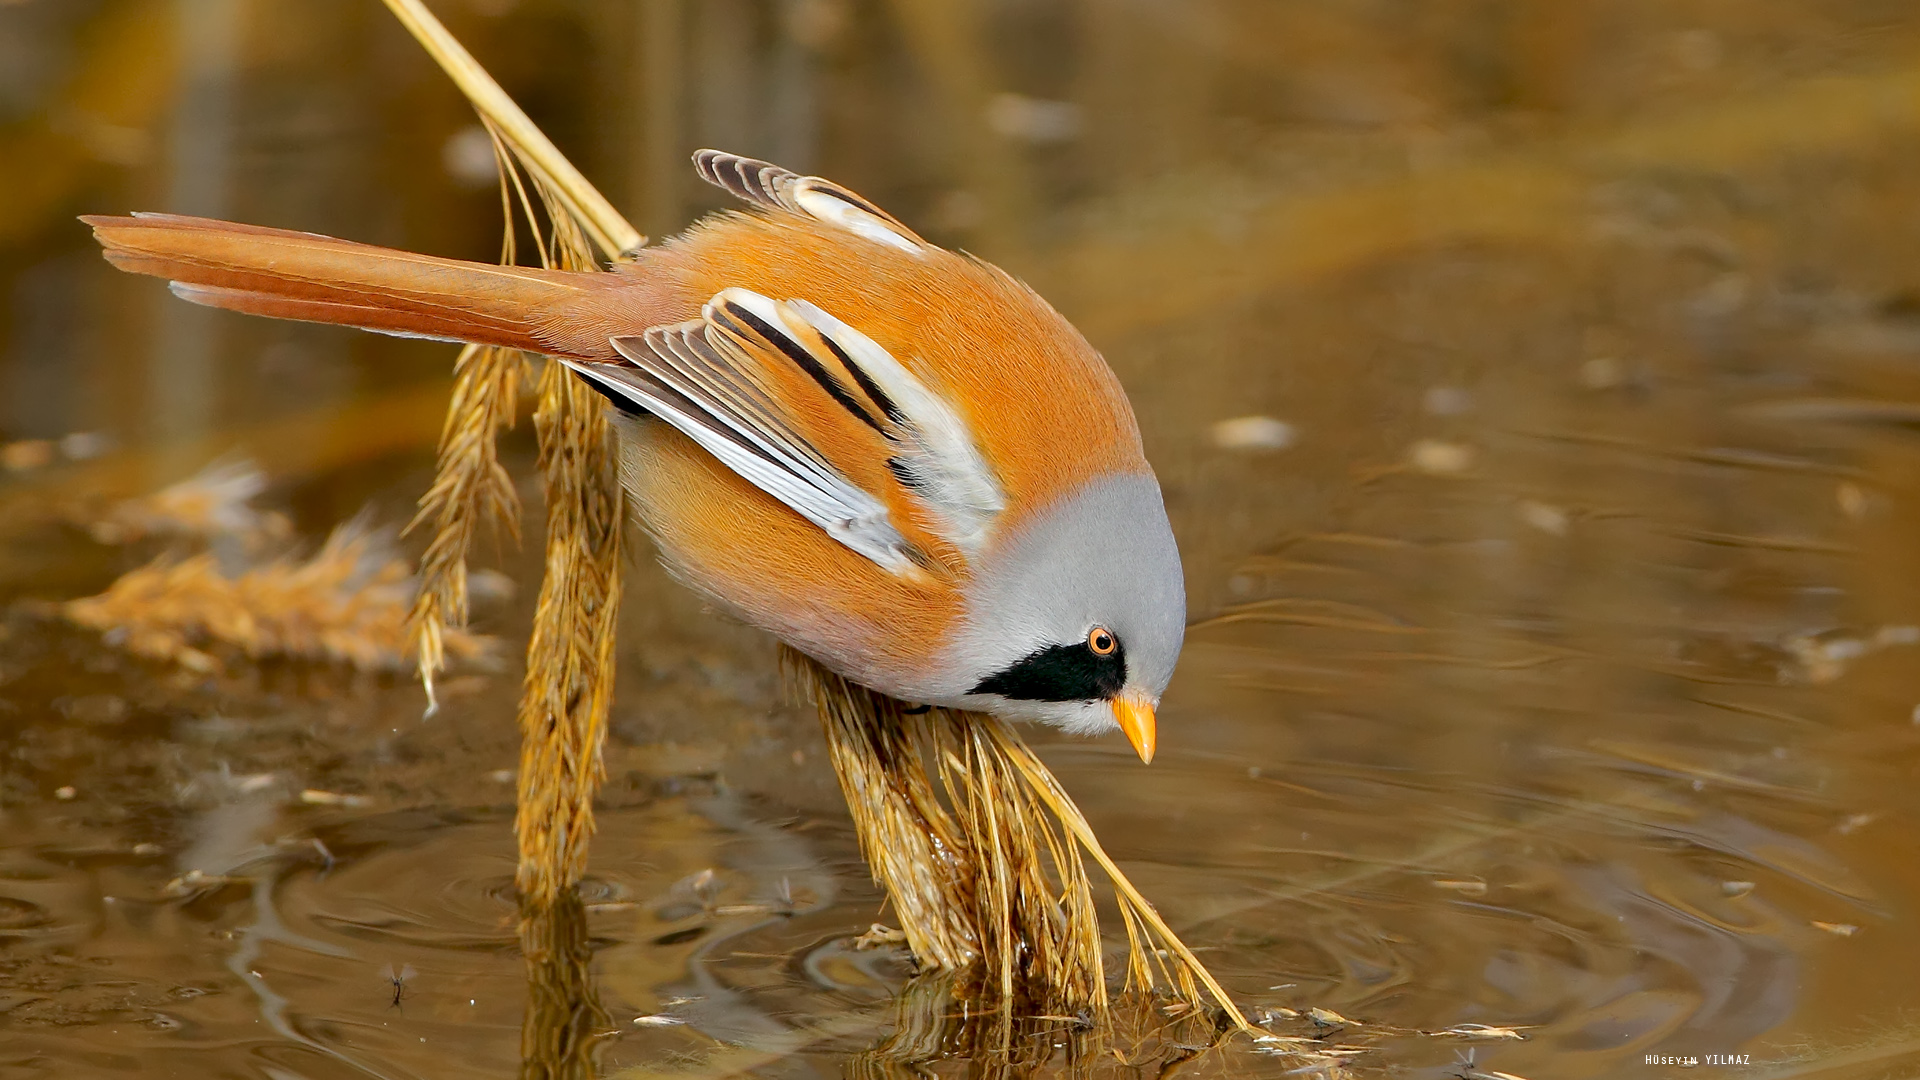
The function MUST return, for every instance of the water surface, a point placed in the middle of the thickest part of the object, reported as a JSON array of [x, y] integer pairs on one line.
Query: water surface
[[1552, 667]]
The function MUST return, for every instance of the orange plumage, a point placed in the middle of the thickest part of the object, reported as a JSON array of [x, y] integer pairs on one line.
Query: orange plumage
[[861, 430]]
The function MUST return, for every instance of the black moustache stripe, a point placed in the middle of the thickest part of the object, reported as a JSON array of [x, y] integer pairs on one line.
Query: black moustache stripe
[[1060, 673]]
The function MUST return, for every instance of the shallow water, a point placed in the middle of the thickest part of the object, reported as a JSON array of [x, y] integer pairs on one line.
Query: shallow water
[[1556, 674]]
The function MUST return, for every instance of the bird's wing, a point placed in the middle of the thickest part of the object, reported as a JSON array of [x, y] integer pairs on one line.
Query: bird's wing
[[823, 200], [817, 415]]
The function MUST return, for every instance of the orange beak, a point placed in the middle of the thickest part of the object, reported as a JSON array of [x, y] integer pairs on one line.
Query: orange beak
[[1135, 714]]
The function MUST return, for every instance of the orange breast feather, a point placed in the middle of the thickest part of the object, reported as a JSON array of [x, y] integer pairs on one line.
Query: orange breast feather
[[1045, 411]]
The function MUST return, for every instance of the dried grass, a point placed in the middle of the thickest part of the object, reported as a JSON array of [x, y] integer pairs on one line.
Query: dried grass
[[471, 487], [346, 604], [570, 658], [988, 871]]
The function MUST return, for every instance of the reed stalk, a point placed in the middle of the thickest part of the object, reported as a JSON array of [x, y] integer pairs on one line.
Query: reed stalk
[[470, 486], [570, 654], [989, 882], [579, 200]]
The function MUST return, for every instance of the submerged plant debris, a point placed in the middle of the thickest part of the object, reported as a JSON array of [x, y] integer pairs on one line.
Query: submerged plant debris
[[214, 504], [346, 603]]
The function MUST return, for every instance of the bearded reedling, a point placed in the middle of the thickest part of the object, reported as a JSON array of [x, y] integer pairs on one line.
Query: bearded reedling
[[897, 459]]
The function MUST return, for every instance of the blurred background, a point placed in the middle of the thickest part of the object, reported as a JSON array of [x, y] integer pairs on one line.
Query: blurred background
[[1536, 390]]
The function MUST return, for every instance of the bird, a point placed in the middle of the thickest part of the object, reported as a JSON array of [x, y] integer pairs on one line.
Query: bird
[[896, 458]]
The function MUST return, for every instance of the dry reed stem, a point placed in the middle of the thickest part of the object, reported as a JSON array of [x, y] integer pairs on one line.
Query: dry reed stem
[[346, 604], [470, 487], [993, 874], [1188, 968], [909, 842], [1054, 934], [570, 655], [577, 199]]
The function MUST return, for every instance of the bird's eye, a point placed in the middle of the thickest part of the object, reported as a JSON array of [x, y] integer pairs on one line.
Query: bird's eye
[[1101, 641]]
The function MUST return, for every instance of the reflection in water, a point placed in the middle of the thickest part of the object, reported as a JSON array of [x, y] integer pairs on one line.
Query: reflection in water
[[184, 389], [564, 1017], [922, 1026], [931, 1022]]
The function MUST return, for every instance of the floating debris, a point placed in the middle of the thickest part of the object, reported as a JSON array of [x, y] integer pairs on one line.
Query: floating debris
[[467, 156], [1253, 434], [255, 782], [214, 503], [1825, 657], [1852, 499], [1281, 1040], [316, 797], [1601, 373], [1446, 401], [1854, 822], [1736, 889], [195, 882], [1033, 120], [1838, 929], [1437, 458], [84, 445], [1479, 1031], [1546, 517], [346, 604], [26, 455]]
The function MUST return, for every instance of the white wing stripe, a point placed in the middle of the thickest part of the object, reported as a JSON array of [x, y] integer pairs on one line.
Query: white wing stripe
[[938, 455], [848, 514], [831, 208], [780, 445], [713, 380], [820, 199], [825, 509], [672, 346]]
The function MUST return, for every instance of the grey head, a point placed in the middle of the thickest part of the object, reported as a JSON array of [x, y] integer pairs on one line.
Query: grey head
[[1076, 618]]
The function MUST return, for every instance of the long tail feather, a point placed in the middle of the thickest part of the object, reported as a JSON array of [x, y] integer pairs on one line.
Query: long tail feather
[[304, 276]]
